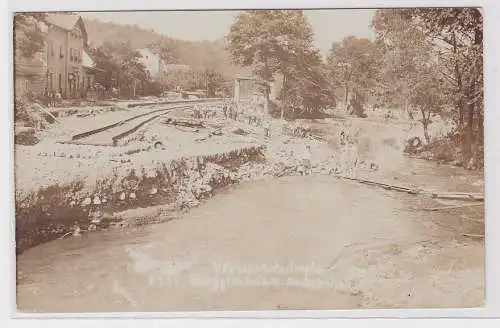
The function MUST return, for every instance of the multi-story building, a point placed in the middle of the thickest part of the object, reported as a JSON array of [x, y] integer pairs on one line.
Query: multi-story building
[[153, 63], [64, 64]]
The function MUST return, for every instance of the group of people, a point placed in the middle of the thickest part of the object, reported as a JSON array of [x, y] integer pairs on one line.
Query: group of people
[[203, 112], [230, 110], [52, 98], [349, 158]]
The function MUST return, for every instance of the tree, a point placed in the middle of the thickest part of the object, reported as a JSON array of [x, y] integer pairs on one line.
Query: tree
[[459, 34], [405, 51], [103, 59], [308, 87], [167, 48], [214, 82], [427, 96], [122, 67], [453, 39], [270, 41], [353, 65], [28, 34]]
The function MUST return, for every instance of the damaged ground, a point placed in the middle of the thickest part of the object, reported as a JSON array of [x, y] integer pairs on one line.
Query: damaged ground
[[366, 240]]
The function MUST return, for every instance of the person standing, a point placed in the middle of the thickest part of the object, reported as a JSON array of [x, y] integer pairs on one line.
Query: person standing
[[305, 164], [51, 98], [224, 109], [46, 97], [267, 128], [58, 98]]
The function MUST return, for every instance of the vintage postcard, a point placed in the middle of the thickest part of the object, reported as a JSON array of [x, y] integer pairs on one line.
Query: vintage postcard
[[258, 160]]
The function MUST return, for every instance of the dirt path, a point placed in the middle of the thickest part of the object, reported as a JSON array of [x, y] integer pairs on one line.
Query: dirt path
[[278, 244]]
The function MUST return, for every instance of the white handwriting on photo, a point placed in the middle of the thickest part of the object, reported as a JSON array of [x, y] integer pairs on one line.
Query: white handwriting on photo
[[219, 276]]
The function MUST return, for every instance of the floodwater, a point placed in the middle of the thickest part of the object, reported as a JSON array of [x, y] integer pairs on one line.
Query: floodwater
[[311, 242]]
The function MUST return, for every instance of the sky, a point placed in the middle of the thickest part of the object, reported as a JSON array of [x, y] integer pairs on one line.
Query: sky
[[329, 25]]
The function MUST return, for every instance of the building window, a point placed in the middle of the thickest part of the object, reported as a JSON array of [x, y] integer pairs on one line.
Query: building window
[[61, 55], [60, 82], [51, 49]]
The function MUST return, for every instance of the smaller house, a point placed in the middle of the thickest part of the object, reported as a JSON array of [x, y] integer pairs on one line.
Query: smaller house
[[247, 87], [152, 62], [89, 71], [176, 68], [29, 76]]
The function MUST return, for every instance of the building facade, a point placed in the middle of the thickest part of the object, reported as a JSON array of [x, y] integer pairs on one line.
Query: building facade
[[63, 65], [153, 63]]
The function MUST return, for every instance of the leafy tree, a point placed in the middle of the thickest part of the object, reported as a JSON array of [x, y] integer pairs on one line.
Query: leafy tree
[[122, 67], [270, 41], [458, 32], [427, 96], [450, 38], [309, 91], [167, 48], [353, 66], [404, 51], [103, 59], [214, 82], [28, 34]]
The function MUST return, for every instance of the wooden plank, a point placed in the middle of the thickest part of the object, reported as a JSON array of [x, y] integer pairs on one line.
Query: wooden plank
[[434, 194], [451, 207]]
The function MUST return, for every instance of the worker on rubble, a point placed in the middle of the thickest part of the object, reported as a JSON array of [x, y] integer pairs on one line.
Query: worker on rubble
[[305, 163], [267, 128]]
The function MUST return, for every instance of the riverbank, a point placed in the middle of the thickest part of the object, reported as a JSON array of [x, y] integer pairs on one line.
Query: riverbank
[[364, 246], [75, 188], [360, 247]]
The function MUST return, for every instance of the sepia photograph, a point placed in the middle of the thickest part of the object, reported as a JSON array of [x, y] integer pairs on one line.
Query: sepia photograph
[[248, 160]]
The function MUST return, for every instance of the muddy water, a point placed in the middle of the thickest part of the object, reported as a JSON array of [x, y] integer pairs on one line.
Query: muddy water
[[310, 242], [293, 243]]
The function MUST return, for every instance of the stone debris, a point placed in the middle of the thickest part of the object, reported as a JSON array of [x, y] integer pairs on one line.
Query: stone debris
[[96, 201]]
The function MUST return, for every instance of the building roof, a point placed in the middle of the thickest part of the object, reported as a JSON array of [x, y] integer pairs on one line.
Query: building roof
[[87, 60], [67, 21], [88, 63], [63, 20]]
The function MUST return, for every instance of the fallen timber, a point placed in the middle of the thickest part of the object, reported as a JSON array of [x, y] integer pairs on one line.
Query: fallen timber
[[191, 123], [433, 209], [418, 191]]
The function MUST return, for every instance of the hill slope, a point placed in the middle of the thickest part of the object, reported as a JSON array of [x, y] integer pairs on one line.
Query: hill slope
[[197, 54]]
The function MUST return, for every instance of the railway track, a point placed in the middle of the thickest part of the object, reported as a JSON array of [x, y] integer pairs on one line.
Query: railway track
[[111, 134]]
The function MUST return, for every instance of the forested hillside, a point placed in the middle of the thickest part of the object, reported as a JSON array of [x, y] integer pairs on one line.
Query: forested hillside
[[197, 54]]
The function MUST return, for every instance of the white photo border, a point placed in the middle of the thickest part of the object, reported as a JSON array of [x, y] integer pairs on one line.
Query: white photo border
[[491, 9]]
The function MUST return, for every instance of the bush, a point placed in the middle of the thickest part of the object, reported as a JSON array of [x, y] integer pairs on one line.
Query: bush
[[153, 89], [20, 110]]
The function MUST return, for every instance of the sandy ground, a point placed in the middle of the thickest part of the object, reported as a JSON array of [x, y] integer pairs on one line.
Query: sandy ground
[[49, 163]]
